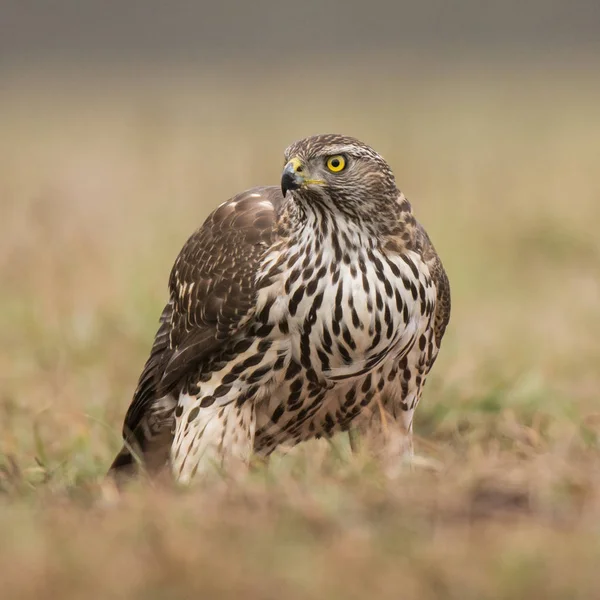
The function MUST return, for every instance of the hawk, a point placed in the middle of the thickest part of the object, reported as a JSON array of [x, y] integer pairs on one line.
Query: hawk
[[294, 313]]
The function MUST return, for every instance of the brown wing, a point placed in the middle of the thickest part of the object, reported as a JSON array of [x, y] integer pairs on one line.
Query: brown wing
[[212, 293], [438, 274], [149, 380]]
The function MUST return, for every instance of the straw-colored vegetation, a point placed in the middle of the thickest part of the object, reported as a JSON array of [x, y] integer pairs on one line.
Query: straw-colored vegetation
[[99, 187]]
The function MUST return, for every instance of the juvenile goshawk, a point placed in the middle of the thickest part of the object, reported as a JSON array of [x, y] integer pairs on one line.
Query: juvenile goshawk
[[294, 312]]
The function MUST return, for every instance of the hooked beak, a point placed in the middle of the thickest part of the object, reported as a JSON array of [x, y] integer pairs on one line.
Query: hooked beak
[[292, 177], [296, 176]]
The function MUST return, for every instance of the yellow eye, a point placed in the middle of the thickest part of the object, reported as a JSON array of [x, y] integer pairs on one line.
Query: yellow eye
[[336, 163]]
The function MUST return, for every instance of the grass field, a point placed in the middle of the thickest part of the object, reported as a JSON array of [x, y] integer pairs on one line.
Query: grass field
[[101, 183]]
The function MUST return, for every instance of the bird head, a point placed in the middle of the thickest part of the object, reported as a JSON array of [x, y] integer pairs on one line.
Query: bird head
[[340, 173]]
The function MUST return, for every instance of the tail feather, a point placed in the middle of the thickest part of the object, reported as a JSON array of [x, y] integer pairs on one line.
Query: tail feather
[[147, 448]]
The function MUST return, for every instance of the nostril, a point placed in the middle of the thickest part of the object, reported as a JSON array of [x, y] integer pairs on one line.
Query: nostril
[[299, 169]]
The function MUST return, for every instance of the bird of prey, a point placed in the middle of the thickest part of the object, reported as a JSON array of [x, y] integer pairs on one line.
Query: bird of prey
[[294, 313]]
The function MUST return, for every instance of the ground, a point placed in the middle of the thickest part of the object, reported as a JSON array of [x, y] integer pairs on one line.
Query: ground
[[102, 180]]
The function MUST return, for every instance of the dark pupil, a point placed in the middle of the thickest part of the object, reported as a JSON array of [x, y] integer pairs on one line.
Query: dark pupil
[[335, 163]]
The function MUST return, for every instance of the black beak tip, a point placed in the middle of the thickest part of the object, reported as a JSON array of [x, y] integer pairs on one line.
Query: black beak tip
[[288, 182]]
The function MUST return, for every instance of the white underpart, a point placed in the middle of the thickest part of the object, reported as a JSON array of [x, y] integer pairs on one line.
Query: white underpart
[[200, 441], [198, 444]]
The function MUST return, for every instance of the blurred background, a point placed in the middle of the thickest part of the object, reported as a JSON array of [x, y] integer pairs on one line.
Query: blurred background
[[122, 124]]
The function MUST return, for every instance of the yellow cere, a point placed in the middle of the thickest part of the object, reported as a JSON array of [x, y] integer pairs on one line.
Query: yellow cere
[[336, 163], [296, 164]]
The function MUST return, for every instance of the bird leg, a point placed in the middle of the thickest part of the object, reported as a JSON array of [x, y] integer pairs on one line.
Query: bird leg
[[390, 437], [354, 433], [354, 437]]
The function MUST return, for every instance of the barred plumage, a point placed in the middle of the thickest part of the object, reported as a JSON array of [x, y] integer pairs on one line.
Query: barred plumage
[[292, 314]]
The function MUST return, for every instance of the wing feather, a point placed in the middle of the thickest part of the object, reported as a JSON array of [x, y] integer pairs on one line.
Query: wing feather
[[438, 274], [212, 293]]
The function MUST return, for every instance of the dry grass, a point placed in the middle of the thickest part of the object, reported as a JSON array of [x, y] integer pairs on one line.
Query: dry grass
[[99, 187]]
